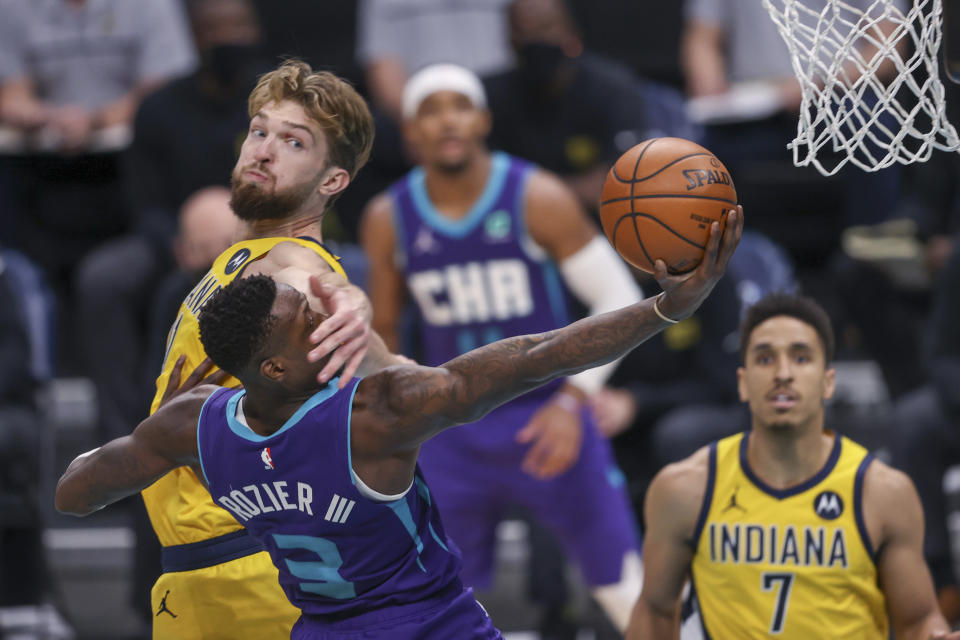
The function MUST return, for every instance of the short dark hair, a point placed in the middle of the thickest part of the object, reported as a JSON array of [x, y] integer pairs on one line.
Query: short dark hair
[[804, 309], [235, 322]]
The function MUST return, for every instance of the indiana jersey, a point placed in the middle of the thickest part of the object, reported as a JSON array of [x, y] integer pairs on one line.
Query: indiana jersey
[[179, 506], [788, 563], [339, 552]]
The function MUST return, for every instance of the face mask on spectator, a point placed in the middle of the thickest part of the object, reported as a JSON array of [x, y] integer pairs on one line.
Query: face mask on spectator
[[231, 64], [539, 63]]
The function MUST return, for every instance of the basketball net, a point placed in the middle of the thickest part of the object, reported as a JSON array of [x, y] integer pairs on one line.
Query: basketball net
[[848, 112]]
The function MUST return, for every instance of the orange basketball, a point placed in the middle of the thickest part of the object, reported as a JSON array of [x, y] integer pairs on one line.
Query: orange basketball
[[658, 202]]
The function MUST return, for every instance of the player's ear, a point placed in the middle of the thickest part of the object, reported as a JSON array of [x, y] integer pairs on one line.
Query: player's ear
[[829, 383], [741, 385], [272, 369], [334, 180]]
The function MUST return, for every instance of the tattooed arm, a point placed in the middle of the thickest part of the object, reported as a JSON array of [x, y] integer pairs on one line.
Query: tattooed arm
[[399, 408]]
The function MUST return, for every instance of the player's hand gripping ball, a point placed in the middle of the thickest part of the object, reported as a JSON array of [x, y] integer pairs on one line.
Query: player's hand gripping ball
[[658, 202]]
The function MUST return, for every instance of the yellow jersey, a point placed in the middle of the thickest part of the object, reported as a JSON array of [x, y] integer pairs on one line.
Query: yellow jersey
[[788, 563], [179, 506]]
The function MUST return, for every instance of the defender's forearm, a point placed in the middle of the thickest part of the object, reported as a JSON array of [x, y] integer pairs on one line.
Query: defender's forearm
[[378, 356], [492, 375]]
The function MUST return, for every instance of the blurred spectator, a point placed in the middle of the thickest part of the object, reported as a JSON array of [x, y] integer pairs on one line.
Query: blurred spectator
[[644, 36], [185, 138], [398, 37], [926, 433], [72, 73], [560, 107], [22, 570], [322, 34], [72, 67]]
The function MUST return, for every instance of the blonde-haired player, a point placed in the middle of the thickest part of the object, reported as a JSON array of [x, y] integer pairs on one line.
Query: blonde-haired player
[[788, 530], [309, 134]]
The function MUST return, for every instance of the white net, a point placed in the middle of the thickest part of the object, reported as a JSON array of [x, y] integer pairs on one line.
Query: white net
[[872, 94]]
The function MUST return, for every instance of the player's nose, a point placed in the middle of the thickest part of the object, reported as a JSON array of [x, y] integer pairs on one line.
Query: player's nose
[[784, 372], [264, 151]]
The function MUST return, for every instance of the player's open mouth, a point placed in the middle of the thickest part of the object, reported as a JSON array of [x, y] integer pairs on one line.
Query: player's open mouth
[[782, 400]]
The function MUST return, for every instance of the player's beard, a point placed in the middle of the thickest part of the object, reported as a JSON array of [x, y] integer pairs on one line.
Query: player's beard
[[455, 164], [251, 203]]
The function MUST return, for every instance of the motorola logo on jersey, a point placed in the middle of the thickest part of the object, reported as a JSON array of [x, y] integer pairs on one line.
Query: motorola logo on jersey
[[828, 505], [473, 292], [236, 261]]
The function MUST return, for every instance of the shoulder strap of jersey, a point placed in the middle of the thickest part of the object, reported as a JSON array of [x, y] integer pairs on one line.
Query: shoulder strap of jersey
[[865, 461], [238, 256], [707, 494]]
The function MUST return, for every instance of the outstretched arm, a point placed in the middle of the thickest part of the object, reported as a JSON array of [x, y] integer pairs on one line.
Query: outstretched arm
[[401, 407], [164, 441]]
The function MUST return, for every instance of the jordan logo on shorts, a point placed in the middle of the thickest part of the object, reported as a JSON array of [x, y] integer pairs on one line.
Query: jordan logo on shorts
[[163, 606]]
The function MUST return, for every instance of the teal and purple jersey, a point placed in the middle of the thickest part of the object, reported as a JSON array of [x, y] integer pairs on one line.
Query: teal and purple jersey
[[345, 555], [480, 278]]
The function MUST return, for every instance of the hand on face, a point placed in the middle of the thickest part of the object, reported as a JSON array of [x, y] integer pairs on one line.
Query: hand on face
[[344, 335]]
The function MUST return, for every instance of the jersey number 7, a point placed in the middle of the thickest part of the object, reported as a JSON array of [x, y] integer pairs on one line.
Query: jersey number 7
[[784, 581]]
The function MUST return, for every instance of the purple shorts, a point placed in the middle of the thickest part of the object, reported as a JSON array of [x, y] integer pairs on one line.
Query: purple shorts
[[474, 474], [457, 616]]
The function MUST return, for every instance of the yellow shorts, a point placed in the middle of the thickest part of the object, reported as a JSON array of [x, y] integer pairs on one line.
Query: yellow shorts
[[236, 600]]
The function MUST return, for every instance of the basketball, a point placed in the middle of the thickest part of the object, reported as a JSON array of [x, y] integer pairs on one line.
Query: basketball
[[659, 200]]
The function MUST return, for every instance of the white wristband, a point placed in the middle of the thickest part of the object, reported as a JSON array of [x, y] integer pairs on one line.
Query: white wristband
[[656, 310], [566, 401]]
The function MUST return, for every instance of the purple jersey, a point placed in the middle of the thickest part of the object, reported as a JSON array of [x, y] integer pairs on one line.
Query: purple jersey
[[340, 554], [481, 278]]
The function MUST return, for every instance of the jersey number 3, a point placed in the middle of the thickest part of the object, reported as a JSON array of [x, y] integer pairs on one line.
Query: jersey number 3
[[323, 577], [783, 583]]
